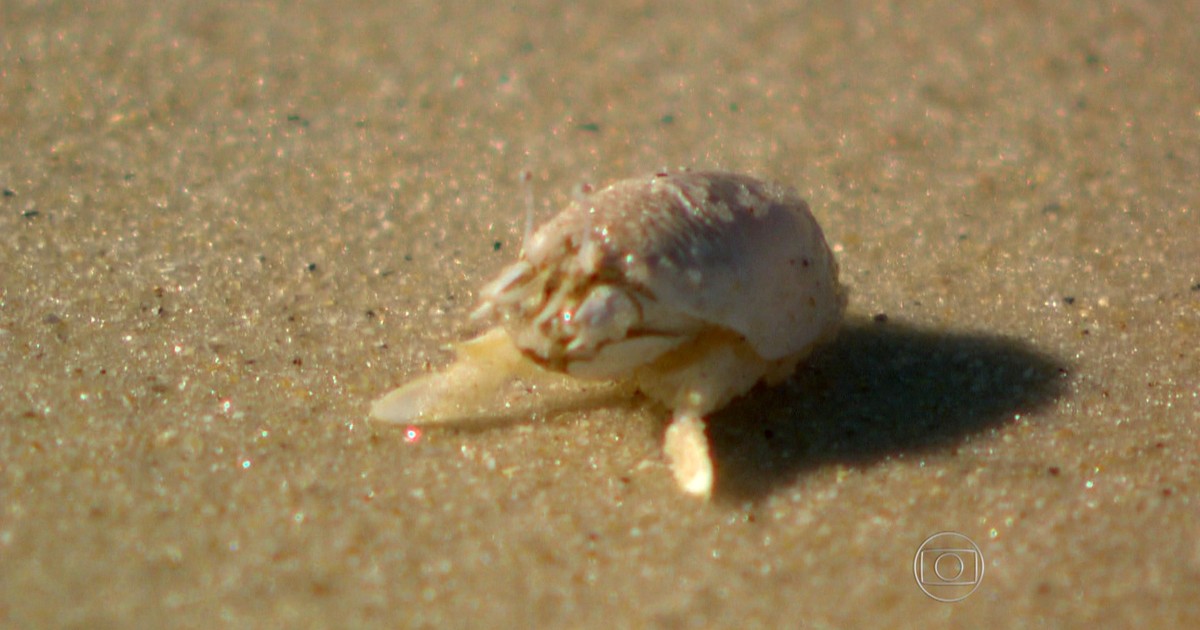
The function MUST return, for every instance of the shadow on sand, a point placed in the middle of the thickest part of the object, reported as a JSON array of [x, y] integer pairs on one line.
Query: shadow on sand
[[879, 390]]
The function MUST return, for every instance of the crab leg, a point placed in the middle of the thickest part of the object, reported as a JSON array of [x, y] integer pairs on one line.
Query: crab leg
[[489, 380], [694, 381], [686, 448]]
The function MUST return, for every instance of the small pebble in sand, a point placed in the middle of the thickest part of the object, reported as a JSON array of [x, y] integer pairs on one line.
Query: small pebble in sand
[[688, 286]]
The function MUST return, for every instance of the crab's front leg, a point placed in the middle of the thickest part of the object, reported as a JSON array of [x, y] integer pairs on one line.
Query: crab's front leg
[[469, 388], [489, 380]]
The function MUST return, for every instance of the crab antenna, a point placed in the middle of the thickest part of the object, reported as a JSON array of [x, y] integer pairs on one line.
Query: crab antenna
[[581, 193], [526, 177]]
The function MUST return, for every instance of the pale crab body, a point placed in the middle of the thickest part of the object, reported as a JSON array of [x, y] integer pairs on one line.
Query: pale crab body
[[690, 286]]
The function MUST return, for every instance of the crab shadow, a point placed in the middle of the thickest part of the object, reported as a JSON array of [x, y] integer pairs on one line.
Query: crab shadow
[[880, 390]]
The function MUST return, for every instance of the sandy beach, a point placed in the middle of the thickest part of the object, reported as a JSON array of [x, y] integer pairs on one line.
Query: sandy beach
[[227, 227]]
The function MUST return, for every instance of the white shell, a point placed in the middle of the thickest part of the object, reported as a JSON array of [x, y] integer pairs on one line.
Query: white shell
[[691, 286], [721, 248]]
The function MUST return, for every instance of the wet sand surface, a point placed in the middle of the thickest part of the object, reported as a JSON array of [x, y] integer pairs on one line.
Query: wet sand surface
[[227, 227]]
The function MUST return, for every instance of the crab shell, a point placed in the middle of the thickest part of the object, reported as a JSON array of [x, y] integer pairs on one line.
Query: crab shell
[[669, 266]]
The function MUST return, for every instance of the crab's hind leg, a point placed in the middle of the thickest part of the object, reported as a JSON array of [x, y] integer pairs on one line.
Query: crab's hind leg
[[686, 448], [694, 381]]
